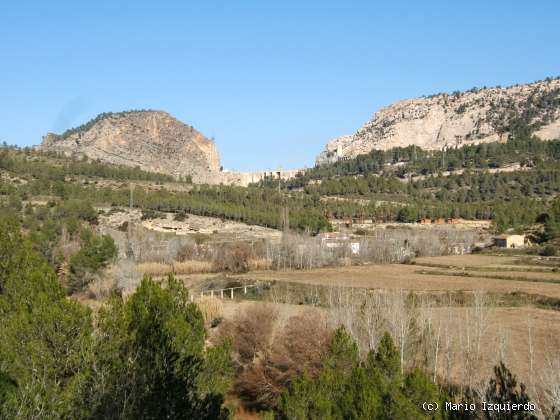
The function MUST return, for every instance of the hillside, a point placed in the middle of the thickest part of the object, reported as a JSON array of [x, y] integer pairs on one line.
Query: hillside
[[448, 120], [151, 140]]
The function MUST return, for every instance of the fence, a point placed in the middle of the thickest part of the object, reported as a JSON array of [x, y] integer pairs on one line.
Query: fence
[[223, 293]]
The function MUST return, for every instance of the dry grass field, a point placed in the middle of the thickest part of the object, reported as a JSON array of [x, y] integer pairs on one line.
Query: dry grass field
[[417, 278], [469, 260], [510, 333]]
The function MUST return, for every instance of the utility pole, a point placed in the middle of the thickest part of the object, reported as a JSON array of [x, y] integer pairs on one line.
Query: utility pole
[[129, 250], [285, 218], [279, 173], [284, 212]]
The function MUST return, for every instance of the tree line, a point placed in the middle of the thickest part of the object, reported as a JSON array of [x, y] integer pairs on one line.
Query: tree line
[[254, 206], [53, 166], [510, 199], [309, 212], [404, 161]]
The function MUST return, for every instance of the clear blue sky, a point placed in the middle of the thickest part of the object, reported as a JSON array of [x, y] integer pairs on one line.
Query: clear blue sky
[[272, 81]]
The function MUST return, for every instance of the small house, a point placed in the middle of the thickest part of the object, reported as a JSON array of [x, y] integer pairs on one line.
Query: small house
[[333, 239], [355, 248], [510, 241]]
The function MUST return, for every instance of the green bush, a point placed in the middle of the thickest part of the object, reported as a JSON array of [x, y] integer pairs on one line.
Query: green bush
[[149, 214], [180, 216], [549, 251], [95, 253], [78, 209]]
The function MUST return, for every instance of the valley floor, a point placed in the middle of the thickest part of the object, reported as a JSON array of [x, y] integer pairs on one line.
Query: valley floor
[[518, 321], [432, 274]]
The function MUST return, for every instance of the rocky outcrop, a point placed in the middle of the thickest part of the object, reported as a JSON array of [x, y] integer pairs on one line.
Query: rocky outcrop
[[152, 140], [245, 178], [334, 150], [449, 120]]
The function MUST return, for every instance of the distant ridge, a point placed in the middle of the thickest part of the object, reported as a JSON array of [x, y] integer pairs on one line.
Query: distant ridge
[[452, 120]]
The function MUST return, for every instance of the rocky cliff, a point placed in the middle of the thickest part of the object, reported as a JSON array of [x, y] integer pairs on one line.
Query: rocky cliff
[[449, 120], [152, 140]]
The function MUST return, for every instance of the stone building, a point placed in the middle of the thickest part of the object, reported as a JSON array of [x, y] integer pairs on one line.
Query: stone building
[[510, 241]]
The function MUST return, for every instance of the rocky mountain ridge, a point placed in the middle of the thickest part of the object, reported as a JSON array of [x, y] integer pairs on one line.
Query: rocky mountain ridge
[[453, 120], [152, 140]]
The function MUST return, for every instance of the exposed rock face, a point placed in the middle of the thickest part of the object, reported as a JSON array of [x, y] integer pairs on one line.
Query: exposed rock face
[[245, 178], [152, 140], [449, 120], [334, 150]]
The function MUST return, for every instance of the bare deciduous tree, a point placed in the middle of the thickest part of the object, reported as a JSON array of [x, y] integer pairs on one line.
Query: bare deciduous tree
[[266, 365], [232, 257], [551, 379], [126, 275]]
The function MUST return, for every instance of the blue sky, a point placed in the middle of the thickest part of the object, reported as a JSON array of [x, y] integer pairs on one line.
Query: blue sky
[[271, 81]]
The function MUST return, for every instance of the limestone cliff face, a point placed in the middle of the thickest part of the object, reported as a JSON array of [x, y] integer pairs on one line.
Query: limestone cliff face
[[449, 120], [152, 140]]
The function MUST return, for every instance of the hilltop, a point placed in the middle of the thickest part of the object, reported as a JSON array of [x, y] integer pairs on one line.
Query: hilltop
[[151, 140], [155, 142], [452, 120]]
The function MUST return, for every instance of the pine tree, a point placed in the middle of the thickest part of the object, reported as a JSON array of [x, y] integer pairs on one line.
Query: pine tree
[[44, 338], [348, 388], [151, 360], [503, 388]]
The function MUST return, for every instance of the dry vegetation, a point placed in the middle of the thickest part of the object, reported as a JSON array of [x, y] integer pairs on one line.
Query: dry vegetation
[[454, 337], [211, 307], [270, 349], [185, 267], [453, 343], [407, 277]]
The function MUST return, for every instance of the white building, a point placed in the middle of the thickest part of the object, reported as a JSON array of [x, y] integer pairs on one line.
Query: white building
[[510, 241]]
